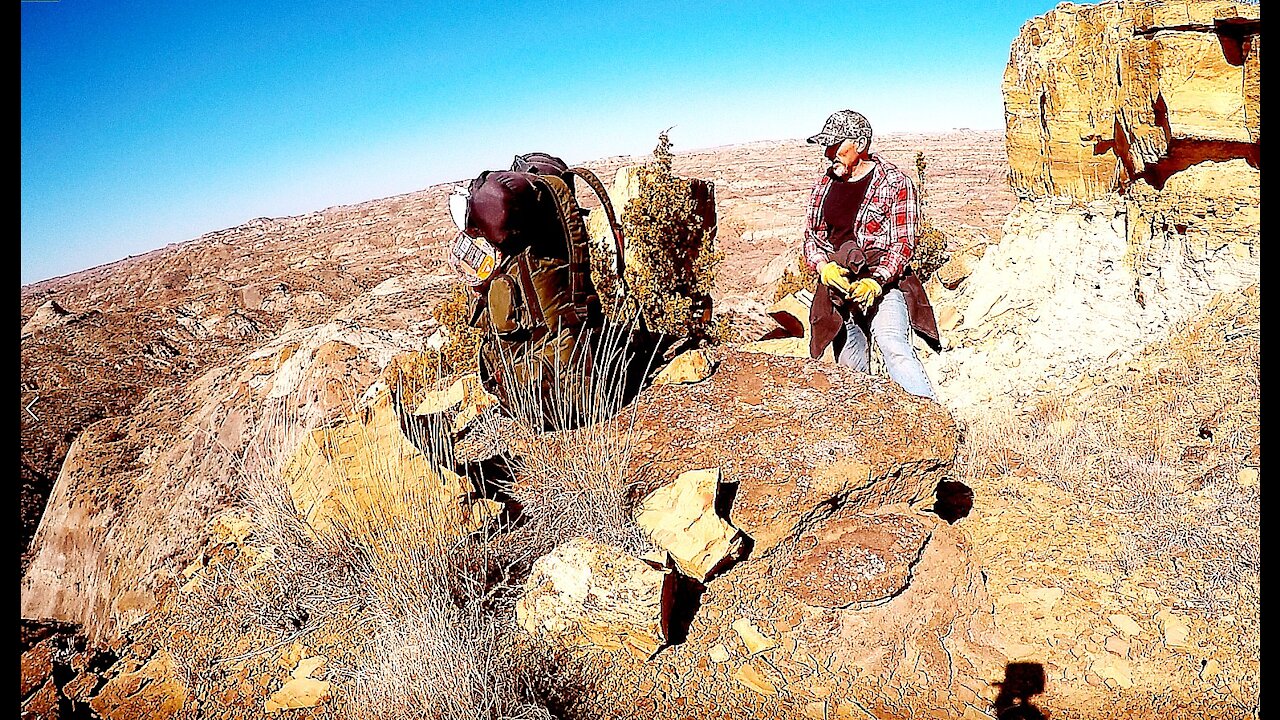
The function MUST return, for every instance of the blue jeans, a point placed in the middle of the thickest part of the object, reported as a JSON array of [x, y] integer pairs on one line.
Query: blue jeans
[[891, 331]]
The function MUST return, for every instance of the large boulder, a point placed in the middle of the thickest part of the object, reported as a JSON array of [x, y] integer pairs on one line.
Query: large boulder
[[797, 437]]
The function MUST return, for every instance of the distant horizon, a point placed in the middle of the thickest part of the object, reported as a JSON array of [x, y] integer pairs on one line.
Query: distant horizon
[[676, 151], [156, 124]]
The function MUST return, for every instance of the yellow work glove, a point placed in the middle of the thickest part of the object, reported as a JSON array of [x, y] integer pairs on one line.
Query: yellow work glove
[[832, 275], [866, 291]]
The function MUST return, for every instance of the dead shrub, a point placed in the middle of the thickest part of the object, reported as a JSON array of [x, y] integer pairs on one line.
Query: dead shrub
[[803, 278]]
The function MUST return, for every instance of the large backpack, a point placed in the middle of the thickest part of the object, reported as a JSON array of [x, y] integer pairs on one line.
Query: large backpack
[[539, 311]]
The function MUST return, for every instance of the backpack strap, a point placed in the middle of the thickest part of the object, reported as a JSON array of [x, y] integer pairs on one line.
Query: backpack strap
[[532, 301], [579, 251], [596, 186]]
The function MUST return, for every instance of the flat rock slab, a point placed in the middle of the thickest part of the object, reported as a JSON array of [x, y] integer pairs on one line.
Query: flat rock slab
[[854, 561], [799, 437], [681, 519]]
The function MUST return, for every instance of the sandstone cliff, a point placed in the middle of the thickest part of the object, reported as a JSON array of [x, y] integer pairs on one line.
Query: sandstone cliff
[[1156, 101], [1100, 96], [1132, 133]]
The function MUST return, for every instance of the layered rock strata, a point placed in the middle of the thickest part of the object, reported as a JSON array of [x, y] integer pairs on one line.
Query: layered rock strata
[[1100, 96]]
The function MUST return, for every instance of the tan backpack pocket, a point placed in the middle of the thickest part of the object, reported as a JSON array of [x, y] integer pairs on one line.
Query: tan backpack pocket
[[508, 310]]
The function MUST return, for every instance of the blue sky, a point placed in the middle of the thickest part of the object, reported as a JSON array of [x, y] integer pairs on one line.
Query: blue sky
[[146, 123]]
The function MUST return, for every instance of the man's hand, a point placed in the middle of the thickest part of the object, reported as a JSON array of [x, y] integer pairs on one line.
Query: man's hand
[[832, 275], [866, 291]]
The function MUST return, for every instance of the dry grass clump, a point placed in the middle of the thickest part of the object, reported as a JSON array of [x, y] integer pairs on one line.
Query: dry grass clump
[[411, 597], [415, 610], [1159, 446], [448, 661], [573, 481]]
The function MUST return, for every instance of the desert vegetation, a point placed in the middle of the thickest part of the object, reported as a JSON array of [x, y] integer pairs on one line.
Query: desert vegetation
[[670, 231]]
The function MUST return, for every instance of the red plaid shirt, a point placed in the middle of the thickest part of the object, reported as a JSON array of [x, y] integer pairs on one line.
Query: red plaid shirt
[[889, 221]]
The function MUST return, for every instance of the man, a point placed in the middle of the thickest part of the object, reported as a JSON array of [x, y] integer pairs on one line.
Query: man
[[860, 234]]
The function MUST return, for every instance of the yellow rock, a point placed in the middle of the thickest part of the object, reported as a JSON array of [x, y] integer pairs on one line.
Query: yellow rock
[[1113, 667], [755, 641], [290, 658], [308, 666], [1177, 81], [153, 691], [718, 653], [1174, 629], [956, 270], [438, 401], [1126, 625], [466, 396], [751, 678], [587, 594], [949, 318], [785, 347], [381, 486], [816, 710], [658, 558], [298, 693], [686, 368], [792, 314], [681, 519], [1248, 477]]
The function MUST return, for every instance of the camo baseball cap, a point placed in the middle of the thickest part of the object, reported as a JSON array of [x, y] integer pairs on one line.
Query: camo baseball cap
[[843, 125]]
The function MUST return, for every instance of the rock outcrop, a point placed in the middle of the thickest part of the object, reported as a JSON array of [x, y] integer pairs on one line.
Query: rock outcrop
[[1133, 143], [135, 489], [1100, 96], [781, 430], [1155, 101], [50, 314]]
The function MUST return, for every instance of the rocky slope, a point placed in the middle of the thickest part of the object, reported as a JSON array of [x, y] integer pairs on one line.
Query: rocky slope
[[155, 322], [246, 536]]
